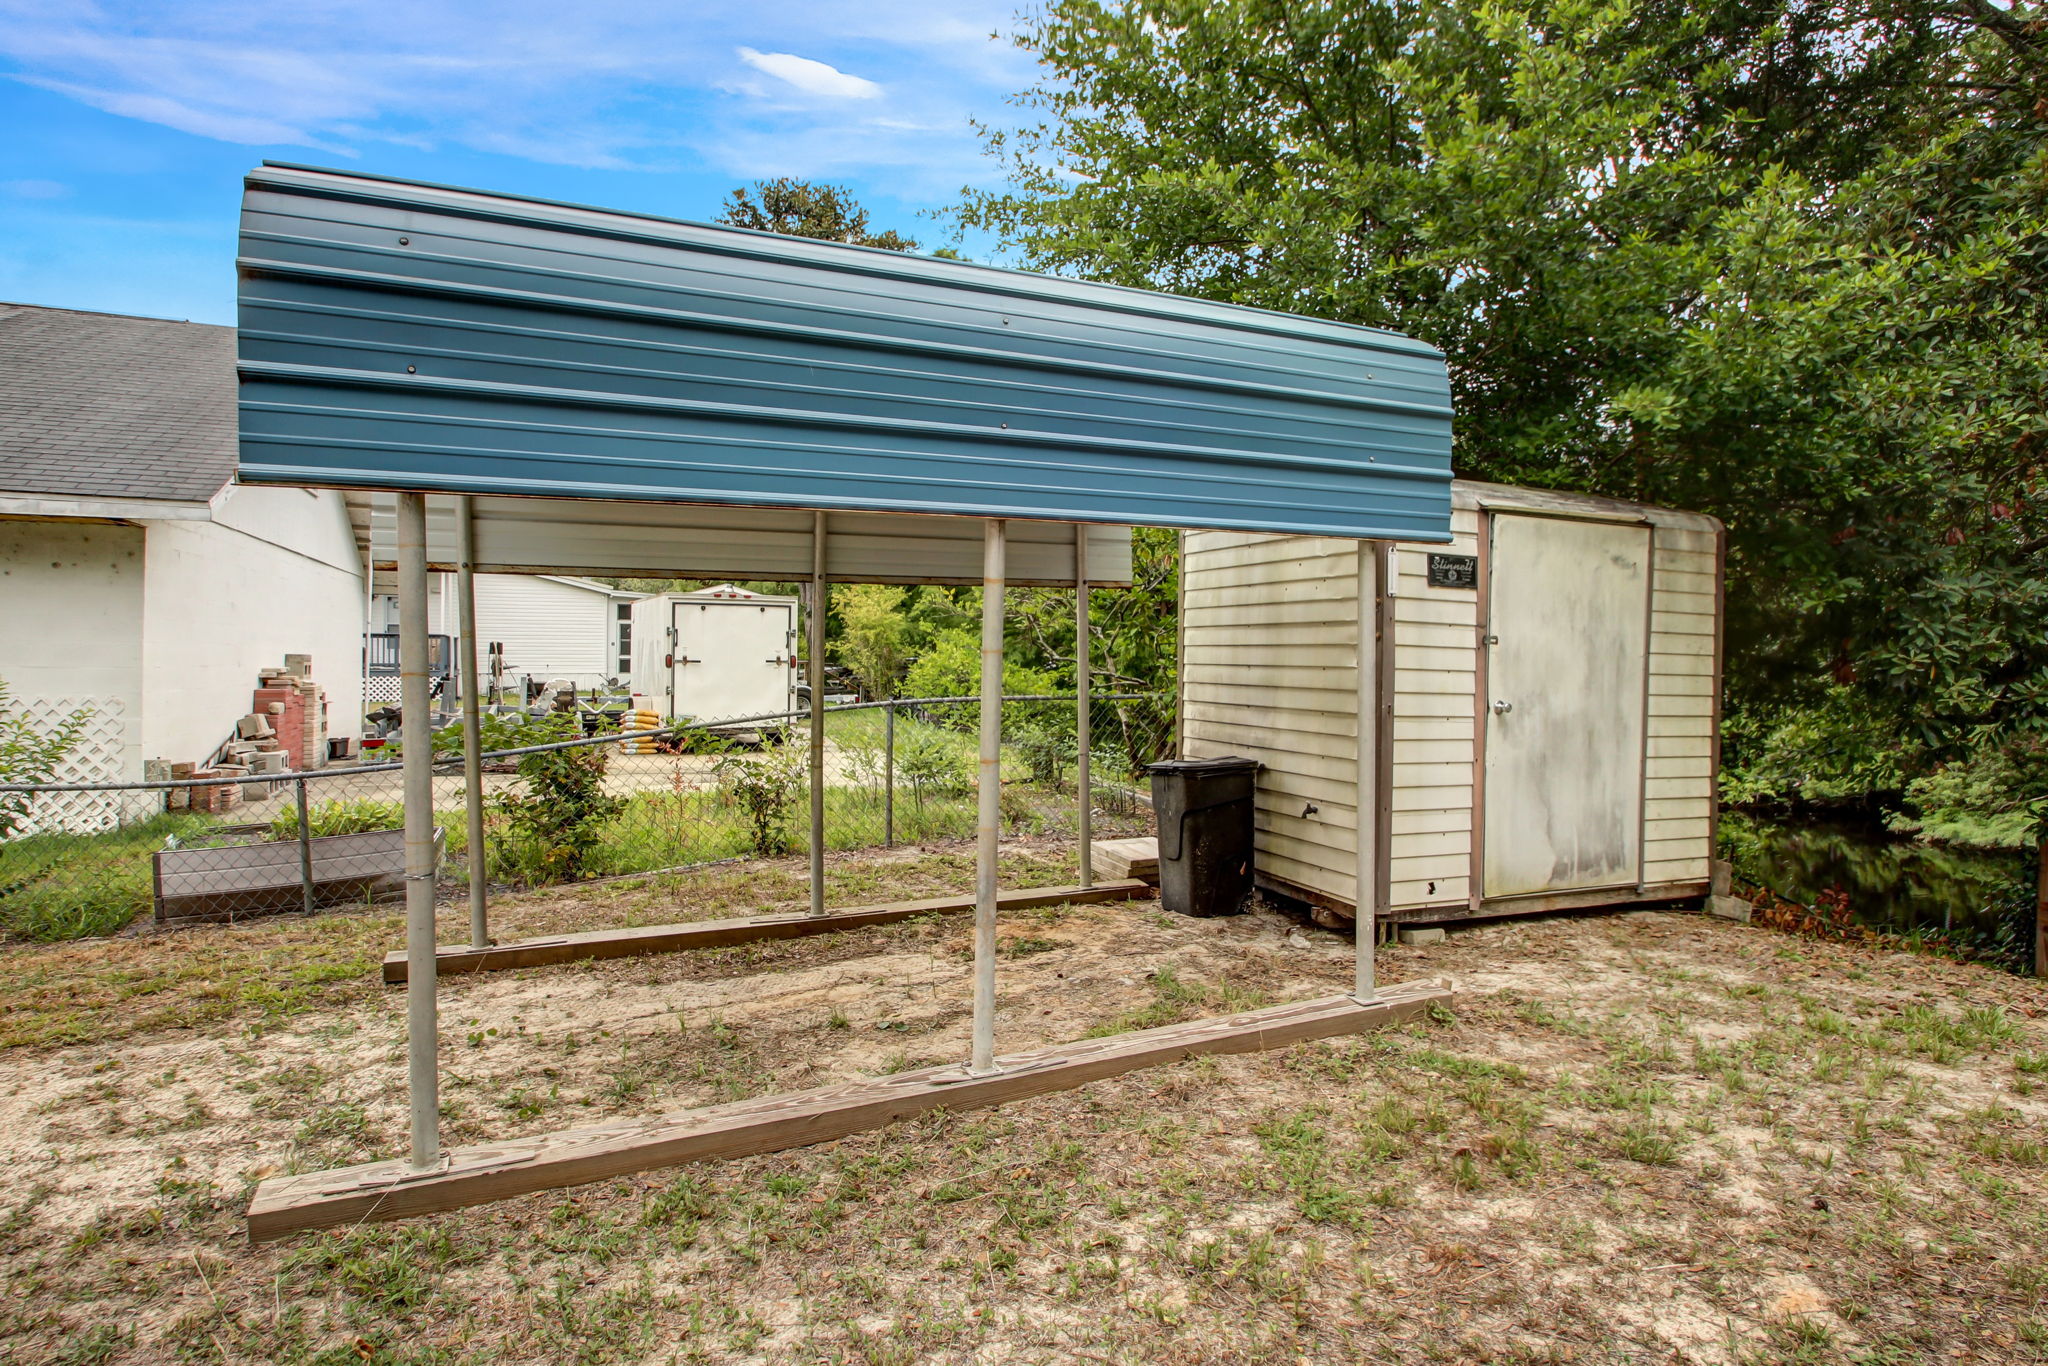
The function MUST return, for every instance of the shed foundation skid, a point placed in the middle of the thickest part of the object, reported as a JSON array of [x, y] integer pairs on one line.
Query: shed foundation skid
[[498, 1171], [1555, 726]]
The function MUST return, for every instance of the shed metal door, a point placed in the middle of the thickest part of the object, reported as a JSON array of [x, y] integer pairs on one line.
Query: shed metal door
[[732, 658], [1569, 622]]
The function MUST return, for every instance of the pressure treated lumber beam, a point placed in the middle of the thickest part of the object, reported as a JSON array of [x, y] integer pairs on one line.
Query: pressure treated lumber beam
[[718, 934], [470, 1176]]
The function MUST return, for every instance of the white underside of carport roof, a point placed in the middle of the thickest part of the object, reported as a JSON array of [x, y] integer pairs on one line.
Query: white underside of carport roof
[[706, 541]]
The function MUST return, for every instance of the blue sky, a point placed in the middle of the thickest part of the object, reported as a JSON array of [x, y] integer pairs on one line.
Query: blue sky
[[129, 124]]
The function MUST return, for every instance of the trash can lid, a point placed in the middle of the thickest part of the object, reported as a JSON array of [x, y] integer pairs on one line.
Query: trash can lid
[[1229, 763]]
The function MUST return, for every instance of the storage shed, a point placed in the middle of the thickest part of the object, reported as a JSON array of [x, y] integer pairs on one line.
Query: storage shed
[[1554, 681]]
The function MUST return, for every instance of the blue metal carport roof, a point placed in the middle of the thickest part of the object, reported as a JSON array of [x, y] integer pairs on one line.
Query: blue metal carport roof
[[397, 335]]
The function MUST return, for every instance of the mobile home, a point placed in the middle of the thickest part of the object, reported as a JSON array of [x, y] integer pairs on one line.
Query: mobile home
[[1555, 677]]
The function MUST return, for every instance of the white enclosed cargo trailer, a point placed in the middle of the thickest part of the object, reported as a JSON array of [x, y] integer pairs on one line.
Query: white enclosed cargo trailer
[[1554, 676], [719, 654]]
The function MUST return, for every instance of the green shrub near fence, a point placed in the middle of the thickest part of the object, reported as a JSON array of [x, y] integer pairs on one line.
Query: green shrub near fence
[[338, 818]]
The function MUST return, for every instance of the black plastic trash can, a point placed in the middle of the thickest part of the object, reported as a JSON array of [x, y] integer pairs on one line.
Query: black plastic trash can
[[1204, 808]]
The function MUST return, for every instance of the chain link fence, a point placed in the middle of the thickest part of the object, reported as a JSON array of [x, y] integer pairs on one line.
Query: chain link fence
[[592, 792]]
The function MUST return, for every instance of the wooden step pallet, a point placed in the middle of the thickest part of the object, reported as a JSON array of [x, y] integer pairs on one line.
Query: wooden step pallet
[[376, 1191], [1138, 858], [718, 934]]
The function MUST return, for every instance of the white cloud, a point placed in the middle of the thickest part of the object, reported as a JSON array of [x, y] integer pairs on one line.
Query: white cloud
[[812, 78], [250, 130]]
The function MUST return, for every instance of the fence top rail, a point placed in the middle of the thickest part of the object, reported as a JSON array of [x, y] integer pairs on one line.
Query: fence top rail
[[612, 737]]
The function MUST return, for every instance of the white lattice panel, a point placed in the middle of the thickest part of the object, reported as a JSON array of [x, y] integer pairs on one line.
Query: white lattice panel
[[95, 759], [380, 689]]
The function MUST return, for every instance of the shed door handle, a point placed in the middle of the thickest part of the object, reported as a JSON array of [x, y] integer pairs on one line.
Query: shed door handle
[[1503, 708]]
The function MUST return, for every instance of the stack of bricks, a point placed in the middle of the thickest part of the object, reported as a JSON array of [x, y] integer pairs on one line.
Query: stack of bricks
[[296, 709], [212, 800]]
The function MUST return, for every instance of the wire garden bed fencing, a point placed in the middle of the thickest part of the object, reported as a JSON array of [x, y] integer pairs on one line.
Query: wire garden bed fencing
[[617, 803]]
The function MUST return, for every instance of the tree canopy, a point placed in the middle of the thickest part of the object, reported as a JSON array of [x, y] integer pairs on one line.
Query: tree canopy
[[800, 208], [1778, 261]]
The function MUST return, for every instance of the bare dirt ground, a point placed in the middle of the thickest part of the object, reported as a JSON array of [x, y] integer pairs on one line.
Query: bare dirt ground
[[1639, 1137]]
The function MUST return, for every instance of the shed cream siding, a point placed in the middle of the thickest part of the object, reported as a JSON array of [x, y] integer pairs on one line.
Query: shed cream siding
[[1269, 671], [1678, 782]]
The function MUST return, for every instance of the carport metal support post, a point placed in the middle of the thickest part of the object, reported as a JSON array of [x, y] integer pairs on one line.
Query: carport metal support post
[[990, 792], [1375, 703], [422, 1032], [472, 738], [815, 671], [1084, 664]]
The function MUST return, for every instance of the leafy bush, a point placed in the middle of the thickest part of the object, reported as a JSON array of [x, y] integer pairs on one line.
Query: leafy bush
[[933, 766], [29, 755], [1987, 800], [338, 818], [951, 667], [765, 787], [515, 730], [1047, 751], [550, 831], [1833, 753]]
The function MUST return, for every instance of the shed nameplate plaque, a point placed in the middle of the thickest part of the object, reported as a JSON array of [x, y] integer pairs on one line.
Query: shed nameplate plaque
[[1453, 571]]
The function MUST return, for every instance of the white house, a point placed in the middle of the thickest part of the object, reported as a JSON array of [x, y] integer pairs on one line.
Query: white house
[[134, 577], [547, 626]]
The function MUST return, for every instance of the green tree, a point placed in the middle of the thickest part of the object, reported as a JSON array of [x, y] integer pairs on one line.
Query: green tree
[[950, 666], [1779, 262], [875, 634], [1134, 645], [801, 208]]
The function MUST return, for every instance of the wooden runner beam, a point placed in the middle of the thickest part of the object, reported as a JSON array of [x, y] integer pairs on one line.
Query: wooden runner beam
[[718, 934], [378, 1191]]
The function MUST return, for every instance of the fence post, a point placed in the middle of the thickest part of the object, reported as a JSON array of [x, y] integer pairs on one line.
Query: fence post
[[1084, 665], [889, 775], [305, 849]]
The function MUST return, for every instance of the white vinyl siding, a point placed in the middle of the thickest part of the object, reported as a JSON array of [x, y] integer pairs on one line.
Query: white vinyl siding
[[550, 629], [1270, 672]]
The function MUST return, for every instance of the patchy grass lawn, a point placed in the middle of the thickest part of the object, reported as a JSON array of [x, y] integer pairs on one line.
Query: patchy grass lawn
[[1640, 1137]]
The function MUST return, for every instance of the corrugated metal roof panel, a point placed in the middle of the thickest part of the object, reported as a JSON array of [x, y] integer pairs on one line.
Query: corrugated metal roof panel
[[397, 335]]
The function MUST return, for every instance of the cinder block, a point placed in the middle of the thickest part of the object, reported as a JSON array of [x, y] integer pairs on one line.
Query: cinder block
[[1421, 935], [1720, 877], [1729, 908]]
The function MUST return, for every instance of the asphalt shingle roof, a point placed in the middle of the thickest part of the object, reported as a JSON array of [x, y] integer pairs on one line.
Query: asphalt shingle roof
[[99, 405]]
